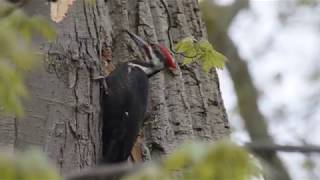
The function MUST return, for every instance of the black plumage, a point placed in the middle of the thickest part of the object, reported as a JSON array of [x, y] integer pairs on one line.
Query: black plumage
[[125, 103], [124, 107]]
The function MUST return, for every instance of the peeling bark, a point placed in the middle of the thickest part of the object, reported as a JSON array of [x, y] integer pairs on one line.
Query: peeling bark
[[63, 115]]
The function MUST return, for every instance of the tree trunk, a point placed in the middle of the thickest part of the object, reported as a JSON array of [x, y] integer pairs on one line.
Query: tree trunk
[[245, 89], [63, 113]]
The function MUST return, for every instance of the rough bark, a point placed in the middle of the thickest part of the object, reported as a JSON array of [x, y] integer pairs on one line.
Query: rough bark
[[7, 133], [63, 113]]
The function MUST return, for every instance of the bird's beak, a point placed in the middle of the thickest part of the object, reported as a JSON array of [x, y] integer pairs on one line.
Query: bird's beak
[[143, 45], [139, 41], [173, 71]]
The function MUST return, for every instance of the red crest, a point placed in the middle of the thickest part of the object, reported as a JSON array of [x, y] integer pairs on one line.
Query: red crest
[[167, 56]]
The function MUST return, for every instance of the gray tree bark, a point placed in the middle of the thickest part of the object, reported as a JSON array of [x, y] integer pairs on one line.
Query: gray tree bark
[[63, 114]]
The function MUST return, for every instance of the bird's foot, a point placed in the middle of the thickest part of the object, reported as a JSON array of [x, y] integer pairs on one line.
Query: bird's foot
[[99, 77], [104, 83]]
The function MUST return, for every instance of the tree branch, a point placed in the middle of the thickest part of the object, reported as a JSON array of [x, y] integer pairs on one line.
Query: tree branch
[[104, 172], [284, 148], [119, 170]]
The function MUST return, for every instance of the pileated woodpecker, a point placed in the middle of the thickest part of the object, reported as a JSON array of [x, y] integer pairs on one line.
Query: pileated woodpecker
[[125, 103]]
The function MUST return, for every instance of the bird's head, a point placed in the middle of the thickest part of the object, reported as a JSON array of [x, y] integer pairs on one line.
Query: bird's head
[[157, 54]]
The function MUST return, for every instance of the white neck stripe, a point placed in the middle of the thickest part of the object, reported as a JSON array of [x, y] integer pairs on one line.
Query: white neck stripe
[[143, 68]]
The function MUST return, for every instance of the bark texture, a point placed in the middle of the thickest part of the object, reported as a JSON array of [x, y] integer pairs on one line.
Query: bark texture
[[63, 113]]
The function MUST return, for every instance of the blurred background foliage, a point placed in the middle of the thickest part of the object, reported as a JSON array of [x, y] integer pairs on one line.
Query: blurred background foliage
[[17, 56], [217, 161], [30, 165], [271, 89], [222, 160]]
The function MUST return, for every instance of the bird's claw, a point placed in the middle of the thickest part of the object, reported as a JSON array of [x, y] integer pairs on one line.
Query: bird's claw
[[99, 77], [104, 83]]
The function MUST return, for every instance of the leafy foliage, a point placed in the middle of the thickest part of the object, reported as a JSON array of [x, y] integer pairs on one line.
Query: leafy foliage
[[219, 161], [307, 2], [16, 54], [309, 164], [27, 166], [202, 51]]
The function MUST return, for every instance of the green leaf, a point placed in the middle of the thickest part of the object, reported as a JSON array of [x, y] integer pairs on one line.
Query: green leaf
[[210, 57], [31, 165], [309, 164], [44, 27], [6, 9], [225, 161], [17, 56], [188, 154], [26, 26], [11, 89], [188, 48], [198, 160], [185, 45], [201, 51]]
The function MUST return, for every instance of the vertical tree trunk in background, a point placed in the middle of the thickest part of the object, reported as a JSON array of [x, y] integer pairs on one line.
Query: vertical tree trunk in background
[[245, 89], [63, 114]]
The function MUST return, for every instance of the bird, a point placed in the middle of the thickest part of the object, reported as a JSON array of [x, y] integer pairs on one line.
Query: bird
[[125, 102]]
